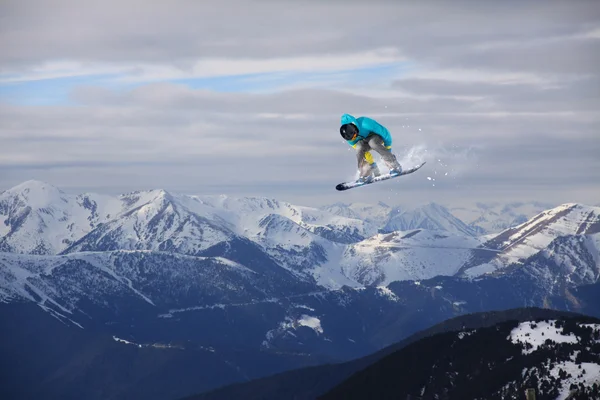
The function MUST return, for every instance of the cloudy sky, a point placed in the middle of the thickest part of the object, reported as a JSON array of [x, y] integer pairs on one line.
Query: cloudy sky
[[240, 97]]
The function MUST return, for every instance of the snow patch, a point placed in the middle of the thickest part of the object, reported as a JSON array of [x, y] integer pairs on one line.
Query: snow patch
[[479, 270], [195, 308], [462, 335], [591, 375], [536, 333], [116, 339], [311, 322], [304, 306], [229, 263], [284, 328], [4, 227], [387, 293]]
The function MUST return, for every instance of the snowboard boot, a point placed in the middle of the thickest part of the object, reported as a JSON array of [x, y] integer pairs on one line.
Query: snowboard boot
[[397, 170], [365, 179]]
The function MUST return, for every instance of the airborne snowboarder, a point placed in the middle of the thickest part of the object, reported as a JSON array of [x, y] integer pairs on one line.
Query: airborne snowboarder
[[366, 134]]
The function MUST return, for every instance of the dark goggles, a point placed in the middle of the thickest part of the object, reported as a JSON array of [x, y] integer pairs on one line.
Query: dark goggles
[[349, 131]]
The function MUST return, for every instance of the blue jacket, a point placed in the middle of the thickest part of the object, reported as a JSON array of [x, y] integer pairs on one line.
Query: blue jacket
[[366, 127]]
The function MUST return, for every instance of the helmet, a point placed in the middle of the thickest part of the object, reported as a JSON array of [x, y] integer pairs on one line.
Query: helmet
[[349, 131]]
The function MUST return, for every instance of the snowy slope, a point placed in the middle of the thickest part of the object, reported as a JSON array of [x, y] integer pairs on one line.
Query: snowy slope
[[528, 238], [154, 278], [247, 212], [573, 371], [568, 261], [297, 238], [375, 214], [37, 218], [291, 245], [243, 215], [159, 220], [518, 244], [332, 246], [431, 216], [409, 255], [336, 228], [532, 335], [153, 220], [496, 217], [558, 358]]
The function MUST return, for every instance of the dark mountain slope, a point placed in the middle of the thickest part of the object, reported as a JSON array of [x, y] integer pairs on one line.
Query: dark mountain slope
[[309, 383], [44, 358], [487, 363]]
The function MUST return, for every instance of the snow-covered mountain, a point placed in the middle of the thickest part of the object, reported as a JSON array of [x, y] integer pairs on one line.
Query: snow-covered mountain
[[409, 255], [375, 214], [40, 219], [37, 218], [431, 217], [154, 220], [245, 215], [159, 279], [154, 266], [569, 235], [488, 218], [333, 246]]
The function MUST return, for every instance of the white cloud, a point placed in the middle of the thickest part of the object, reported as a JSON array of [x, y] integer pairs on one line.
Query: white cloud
[[505, 96]]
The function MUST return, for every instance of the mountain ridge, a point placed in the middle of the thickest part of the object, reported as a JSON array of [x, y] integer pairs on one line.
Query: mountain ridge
[[494, 362], [306, 241]]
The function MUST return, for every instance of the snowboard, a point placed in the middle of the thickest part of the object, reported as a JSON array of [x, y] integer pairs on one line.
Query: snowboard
[[382, 177]]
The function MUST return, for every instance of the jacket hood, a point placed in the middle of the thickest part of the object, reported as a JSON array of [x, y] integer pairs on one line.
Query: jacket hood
[[348, 119]]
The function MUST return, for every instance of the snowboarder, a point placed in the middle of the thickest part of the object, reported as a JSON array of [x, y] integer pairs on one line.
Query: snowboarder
[[365, 134]]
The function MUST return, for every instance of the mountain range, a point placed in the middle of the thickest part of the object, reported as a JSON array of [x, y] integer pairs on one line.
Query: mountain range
[[256, 278]]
